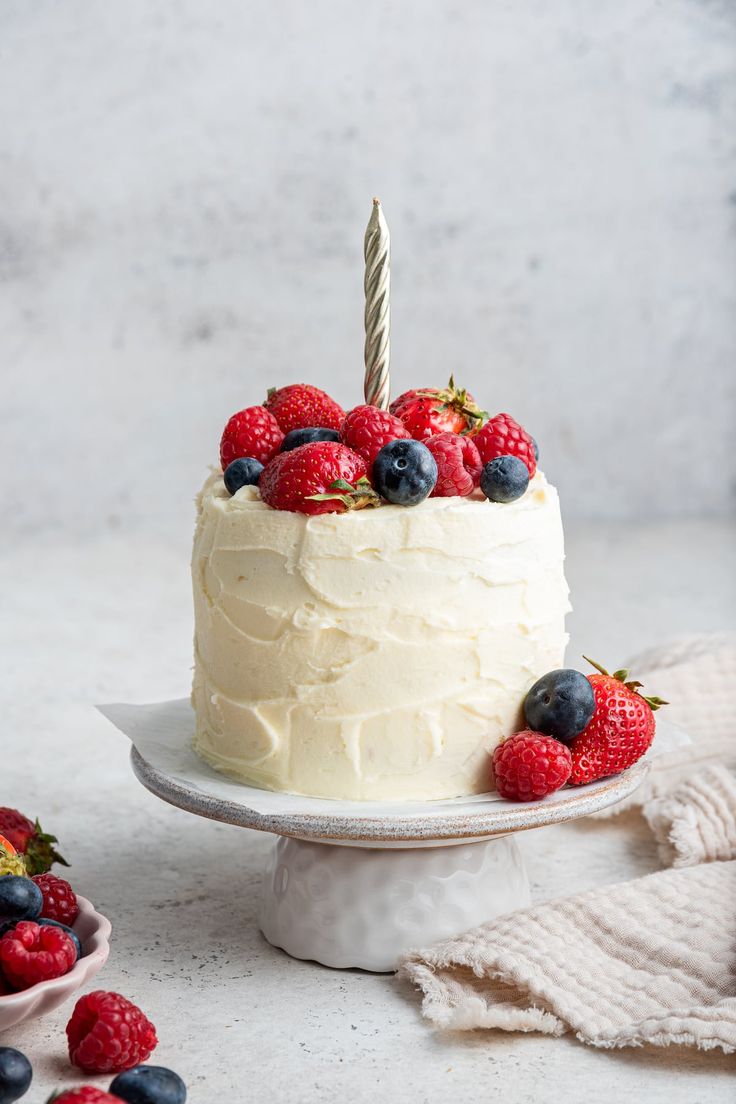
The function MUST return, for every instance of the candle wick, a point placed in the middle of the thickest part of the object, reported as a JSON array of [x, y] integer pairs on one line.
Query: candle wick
[[376, 202]]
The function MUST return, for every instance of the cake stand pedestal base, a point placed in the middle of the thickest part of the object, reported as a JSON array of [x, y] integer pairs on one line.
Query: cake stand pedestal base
[[363, 906]]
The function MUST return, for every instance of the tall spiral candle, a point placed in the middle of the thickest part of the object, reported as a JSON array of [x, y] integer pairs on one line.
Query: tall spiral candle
[[377, 284]]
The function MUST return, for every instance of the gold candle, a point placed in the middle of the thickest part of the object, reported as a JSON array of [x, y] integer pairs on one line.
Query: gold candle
[[377, 284]]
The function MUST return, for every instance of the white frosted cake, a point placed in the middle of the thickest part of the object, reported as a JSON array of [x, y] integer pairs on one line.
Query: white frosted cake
[[376, 653]]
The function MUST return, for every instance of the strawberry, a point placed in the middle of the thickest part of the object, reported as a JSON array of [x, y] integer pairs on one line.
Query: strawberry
[[429, 412], [300, 406], [502, 436], [318, 478], [29, 840], [252, 432], [420, 393], [366, 429], [620, 730], [458, 464]]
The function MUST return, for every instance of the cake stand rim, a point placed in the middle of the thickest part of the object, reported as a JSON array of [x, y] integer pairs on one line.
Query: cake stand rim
[[444, 827]]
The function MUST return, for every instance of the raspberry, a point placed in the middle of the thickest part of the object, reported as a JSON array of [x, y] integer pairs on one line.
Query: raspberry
[[458, 464], [528, 766], [332, 472], [502, 436], [251, 432], [301, 406], [87, 1094], [59, 899], [107, 1034], [367, 429], [30, 953]]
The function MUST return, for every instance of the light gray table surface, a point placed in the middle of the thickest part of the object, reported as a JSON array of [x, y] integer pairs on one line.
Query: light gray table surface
[[111, 620]]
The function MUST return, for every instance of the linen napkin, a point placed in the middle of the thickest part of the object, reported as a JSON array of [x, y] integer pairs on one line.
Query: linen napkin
[[653, 960]]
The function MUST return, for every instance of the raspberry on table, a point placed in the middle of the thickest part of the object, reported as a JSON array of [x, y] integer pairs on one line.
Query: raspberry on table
[[87, 1094], [59, 899], [503, 436], [529, 765], [30, 953], [107, 1033], [367, 429]]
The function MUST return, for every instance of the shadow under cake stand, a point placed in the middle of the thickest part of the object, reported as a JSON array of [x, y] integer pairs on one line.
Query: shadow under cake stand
[[356, 884]]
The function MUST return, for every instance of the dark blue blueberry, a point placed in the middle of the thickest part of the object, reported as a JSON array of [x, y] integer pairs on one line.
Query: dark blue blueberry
[[296, 437], [20, 898], [404, 472], [536, 449], [72, 934], [16, 1075], [504, 479], [560, 704], [149, 1085], [244, 472]]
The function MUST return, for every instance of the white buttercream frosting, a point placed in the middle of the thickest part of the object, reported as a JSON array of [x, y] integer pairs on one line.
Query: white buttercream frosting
[[381, 653]]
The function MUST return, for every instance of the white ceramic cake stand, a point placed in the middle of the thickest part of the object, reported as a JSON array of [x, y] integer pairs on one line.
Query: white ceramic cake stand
[[359, 883]]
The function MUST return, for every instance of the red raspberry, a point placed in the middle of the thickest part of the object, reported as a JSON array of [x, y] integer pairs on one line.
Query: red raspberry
[[107, 1034], [528, 766], [85, 1095], [458, 464], [293, 478], [301, 406], [367, 429], [59, 899], [30, 953], [251, 432], [502, 436]]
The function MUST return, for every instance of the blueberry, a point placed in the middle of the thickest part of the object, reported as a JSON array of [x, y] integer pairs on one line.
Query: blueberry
[[16, 1075], [404, 472], [149, 1085], [560, 704], [296, 437], [504, 479], [72, 934], [20, 898], [244, 472], [536, 449]]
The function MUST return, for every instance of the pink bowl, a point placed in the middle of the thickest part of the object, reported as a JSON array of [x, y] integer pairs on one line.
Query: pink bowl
[[93, 930]]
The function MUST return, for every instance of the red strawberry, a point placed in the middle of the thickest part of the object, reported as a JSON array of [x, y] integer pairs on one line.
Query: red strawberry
[[251, 432], [29, 839], [458, 464], [618, 733], [429, 412], [409, 396], [300, 406], [367, 429], [529, 765], [502, 436], [319, 478]]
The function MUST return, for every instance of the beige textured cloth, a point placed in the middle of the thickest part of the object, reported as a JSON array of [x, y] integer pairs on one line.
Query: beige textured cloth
[[653, 960]]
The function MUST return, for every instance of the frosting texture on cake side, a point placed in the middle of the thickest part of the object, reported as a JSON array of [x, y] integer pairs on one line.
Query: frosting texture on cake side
[[380, 653]]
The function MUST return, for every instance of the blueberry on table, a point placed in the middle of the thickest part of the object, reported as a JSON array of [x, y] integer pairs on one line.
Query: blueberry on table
[[16, 1075], [560, 704], [504, 479], [404, 472], [297, 437], [149, 1085], [44, 923], [244, 472], [20, 898]]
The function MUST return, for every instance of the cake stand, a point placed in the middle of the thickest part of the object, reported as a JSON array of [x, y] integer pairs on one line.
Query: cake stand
[[356, 884]]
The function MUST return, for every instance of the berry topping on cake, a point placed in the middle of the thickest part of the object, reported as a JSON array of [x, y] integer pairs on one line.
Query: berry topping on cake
[[108, 1033], [404, 472], [86, 1094], [458, 464], [30, 953], [620, 731], [324, 477], [560, 704], [245, 472], [426, 413], [59, 899], [530, 765], [295, 438], [252, 432], [502, 436], [29, 840], [150, 1085], [300, 406], [367, 429], [20, 898], [504, 479], [16, 1074]]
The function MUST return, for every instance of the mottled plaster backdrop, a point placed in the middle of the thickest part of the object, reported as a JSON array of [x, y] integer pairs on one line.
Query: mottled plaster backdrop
[[184, 189]]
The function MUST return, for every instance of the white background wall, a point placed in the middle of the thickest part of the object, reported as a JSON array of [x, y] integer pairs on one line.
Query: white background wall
[[184, 188]]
